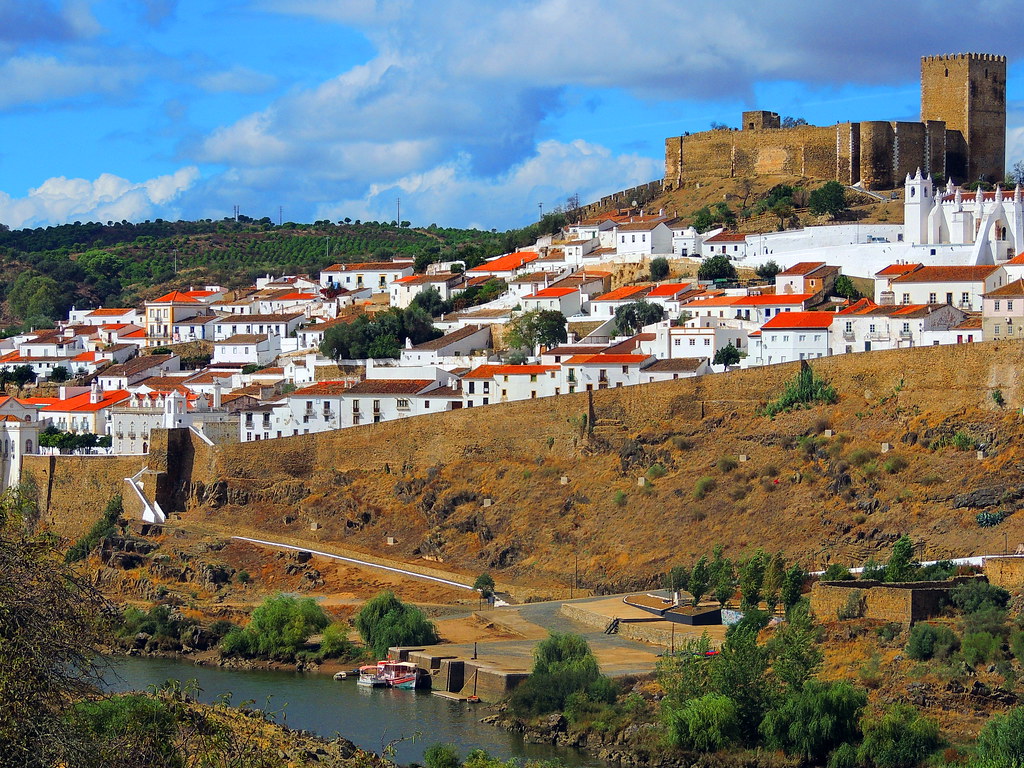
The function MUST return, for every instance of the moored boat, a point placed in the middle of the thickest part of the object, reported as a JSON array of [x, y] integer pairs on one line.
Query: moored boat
[[370, 676]]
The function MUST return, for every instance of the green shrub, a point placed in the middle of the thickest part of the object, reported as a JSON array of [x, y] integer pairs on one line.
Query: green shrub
[[704, 486], [854, 606], [927, 641], [813, 721], [991, 620], [978, 595], [989, 519], [682, 444], [997, 397], [102, 528], [619, 499], [727, 464], [335, 643], [655, 471], [770, 470], [1017, 644], [243, 577], [563, 665], [441, 756], [384, 621], [894, 464], [931, 479], [1001, 741], [144, 725], [708, 723], [837, 572], [861, 456], [981, 648], [278, 627], [899, 738], [845, 756], [804, 389], [963, 441], [890, 631]]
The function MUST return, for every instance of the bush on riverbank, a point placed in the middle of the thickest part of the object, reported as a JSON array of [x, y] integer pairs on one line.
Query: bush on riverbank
[[384, 621], [564, 670], [278, 628]]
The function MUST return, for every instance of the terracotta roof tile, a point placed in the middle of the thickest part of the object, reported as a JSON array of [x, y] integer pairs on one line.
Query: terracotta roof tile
[[507, 262], [946, 275], [390, 386], [797, 320]]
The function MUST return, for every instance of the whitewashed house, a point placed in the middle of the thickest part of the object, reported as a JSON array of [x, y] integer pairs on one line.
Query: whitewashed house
[[376, 275], [793, 336]]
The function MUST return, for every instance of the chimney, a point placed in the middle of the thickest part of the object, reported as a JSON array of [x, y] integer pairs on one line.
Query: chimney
[[216, 393], [95, 393]]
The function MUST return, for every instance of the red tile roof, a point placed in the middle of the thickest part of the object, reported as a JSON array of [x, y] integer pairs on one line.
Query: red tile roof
[[82, 402], [946, 275], [507, 262], [1017, 260], [727, 237], [296, 296], [668, 289], [810, 320], [802, 268], [897, 269], [1016, 288], [390, 386], [610, 359], [521, 370], [551, 293], [109, 312], [625, 293], [175, 297], [370, 266], [322, 388]]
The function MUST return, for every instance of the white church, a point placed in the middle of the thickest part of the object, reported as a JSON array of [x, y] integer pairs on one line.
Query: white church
[[942, 227]]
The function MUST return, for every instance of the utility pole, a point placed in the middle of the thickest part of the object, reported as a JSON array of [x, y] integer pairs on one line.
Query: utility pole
[[280, 215], [398, 203], [328, 248], [540, 207]]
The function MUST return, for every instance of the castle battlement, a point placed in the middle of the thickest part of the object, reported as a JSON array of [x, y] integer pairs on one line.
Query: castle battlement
[[961, 135]]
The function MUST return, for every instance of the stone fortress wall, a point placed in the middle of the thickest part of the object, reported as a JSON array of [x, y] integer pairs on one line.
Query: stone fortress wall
[[961, 135]]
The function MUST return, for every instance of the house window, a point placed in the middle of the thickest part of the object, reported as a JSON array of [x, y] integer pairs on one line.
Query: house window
[[906, 327], [871, 328], [403, 404], [693, 342], [487, 387], [625, 369], [1009, 305], [472, 387], [803, 337], [999, 329], [931, 298], [707, 342], [487, 400], [426, 405], [849, 327], [965, 298], [906, 298]]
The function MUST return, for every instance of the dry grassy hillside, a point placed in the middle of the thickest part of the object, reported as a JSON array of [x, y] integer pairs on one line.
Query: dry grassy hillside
[[426, 481], [687, 201]]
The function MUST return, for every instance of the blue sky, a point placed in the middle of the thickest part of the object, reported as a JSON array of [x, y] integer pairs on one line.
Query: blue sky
[[472, 112]]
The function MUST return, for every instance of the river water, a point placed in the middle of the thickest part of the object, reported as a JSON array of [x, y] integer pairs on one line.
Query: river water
[[368, 717]]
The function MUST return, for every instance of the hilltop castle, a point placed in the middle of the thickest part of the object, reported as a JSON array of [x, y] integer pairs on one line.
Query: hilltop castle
[[961, 136]]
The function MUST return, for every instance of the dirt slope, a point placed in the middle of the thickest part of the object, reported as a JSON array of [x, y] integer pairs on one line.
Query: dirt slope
[[427, 481]]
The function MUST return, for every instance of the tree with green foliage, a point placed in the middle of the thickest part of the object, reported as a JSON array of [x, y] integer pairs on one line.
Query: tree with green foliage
[[131, 729], [774, 575], [792, 586], [1001, 741], [699, 581], [899, 738], [538, 327], [901, 565], [844, 287], [60, 374], [430, 301], [727, 355], [794, 648], [976, 596], [703, 220], [277, 629], [563, 665], [708, 723], [768, 270], [739, 671], [631, 318], [814, 720], [678, 577], [828, 199], [385, 621], [50, 632], [722, 575], [484, 584], [659, 268], [441, 756], [716, 268], [752, 572]]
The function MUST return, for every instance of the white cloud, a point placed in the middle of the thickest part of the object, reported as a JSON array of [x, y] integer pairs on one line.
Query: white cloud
[[37, 79], [450, 192], [109, 198], [237, 80]]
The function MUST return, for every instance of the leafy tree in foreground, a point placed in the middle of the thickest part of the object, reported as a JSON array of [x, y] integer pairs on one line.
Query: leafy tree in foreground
[[563, 666], [384, 621], [844, 287], [829, 198], [484, 584], [900, 738], [278, 628], [631, 318], [659, 268], [816, 720], [768, 270], [727, 355], [545, 327], [716, 268]]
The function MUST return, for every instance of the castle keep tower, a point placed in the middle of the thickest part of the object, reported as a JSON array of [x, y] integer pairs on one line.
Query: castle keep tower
[[967, 91]]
